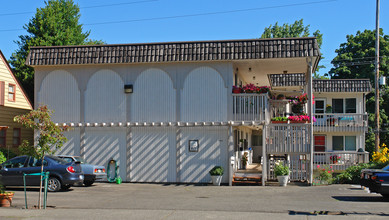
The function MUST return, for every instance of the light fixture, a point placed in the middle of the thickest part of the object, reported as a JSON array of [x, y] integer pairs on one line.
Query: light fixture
[[253, 77], [285, 71], [128, 88], [249, 69]]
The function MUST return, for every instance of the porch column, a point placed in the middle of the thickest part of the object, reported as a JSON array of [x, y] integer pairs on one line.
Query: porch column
[[310, 113], [264, 156], [230, 154]]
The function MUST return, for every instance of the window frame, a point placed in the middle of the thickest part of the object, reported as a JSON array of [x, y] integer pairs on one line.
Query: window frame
[[344, 137], [13, 93], [19, 137], [344, 105]]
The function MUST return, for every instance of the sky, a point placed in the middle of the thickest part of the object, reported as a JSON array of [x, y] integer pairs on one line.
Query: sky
[[144, 21]]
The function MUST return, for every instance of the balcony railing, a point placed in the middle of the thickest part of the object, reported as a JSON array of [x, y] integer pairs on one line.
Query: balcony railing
[[250, 107], [288, 138], [339, 161], [340, 122]]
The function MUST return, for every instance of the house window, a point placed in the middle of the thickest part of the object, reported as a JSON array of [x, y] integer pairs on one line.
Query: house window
[[17, 137], [344, 105], [11, 92], [344, 143], [3, 134], [320, 143]]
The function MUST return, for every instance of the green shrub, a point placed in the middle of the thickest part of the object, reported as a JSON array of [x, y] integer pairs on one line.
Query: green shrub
[[281, 170], [279, 119], [8, 154], [216, 171], [323, 174], [2, 157], [352, 174]]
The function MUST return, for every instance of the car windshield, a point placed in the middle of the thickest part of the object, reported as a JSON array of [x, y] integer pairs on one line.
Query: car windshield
[[386, 168]]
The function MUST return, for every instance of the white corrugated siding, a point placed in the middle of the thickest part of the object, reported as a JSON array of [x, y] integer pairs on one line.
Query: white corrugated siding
[[72, 146], [212, 151], [102, 144], [105, 100], [153, 155], [59, 91], [154, 98], [204, 97]]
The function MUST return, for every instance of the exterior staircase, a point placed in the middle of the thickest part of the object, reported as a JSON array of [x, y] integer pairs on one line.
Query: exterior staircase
[[252, 175]]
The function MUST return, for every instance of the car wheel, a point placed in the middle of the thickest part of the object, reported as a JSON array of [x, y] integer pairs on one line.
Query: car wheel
[[53, 185], [88, 182]]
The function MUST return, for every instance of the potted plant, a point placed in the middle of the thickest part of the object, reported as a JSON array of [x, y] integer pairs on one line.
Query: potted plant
[[335, 158], [277, 120], [216, 174], [263, 89], [5, 197], [249, 88], [282, 173], [328, 108], [236, 89]]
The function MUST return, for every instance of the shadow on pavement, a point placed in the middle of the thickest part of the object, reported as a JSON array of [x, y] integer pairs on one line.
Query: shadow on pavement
[[361, 198]]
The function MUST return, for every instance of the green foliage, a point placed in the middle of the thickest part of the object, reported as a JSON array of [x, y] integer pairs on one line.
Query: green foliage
[[352, 174], [355, 60], [2, 157], [323, 175], [216, 171], [50, 137], [281, 170], [297, 29], [8, 154], [54, 25], [279, 119]]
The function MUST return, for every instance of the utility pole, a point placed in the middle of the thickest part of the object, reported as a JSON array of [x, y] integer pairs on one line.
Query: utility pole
[[377, 75]]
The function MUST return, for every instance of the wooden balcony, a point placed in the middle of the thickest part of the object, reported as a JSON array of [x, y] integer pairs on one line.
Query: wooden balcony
[[339, 161], [340, 122], [250, 107]]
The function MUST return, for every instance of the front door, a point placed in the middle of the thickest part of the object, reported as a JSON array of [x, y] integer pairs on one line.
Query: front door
[[319, 142]]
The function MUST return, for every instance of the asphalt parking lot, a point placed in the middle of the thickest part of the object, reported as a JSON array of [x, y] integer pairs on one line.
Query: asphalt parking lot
[[158, 201]]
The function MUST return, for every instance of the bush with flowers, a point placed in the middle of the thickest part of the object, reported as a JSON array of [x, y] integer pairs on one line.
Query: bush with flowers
[[251, 88], [335, 158], [382, 156], [323, 175], [300, 118]]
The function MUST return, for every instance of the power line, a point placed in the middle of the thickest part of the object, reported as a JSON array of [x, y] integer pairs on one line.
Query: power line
[[210, 13], [197, 15], [87, 7]]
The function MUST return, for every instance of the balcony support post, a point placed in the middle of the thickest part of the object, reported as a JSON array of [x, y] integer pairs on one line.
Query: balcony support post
[[310, 113]]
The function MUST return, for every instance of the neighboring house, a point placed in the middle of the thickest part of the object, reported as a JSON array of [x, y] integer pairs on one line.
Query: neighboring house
[[13, 101], [166, 111]]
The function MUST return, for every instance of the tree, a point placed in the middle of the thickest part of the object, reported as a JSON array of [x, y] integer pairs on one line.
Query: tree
[[50, 137], [54, 25], [355, 60], [297, 29]]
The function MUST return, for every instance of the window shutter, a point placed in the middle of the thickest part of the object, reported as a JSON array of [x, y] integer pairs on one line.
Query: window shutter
[[2, 92]]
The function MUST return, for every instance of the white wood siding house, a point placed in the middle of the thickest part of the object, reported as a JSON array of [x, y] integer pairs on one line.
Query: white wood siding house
[[181, 93]]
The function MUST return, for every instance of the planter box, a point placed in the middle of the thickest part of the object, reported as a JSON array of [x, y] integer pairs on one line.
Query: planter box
[[216, 180], [283, 180]]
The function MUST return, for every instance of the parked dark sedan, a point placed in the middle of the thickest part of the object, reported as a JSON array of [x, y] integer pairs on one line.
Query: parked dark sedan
[[62, 173], [377, 180]]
